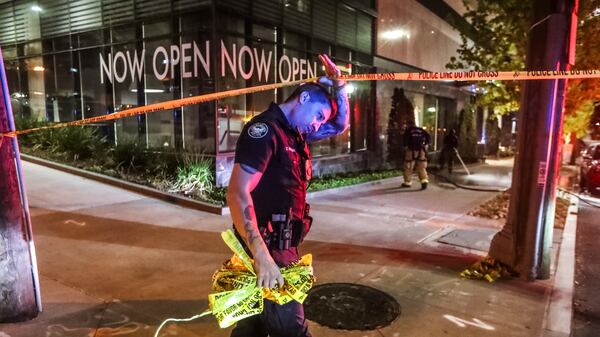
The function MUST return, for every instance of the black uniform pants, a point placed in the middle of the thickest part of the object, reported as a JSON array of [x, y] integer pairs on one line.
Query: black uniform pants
[[275, 321], [447, 157]]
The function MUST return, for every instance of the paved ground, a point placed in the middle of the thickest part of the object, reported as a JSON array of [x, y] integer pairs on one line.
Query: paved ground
[[116, 263], [586, 300]]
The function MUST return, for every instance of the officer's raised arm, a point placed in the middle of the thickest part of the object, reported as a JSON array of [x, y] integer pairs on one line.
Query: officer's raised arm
[[341, 120]]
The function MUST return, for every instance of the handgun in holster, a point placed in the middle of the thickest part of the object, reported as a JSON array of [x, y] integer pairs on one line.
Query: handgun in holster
[[282, 228]]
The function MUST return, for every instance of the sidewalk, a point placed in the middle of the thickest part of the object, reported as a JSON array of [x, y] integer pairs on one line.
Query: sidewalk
[[114, 262]]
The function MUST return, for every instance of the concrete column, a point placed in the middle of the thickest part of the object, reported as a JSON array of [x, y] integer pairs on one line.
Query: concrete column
[[525, 241]]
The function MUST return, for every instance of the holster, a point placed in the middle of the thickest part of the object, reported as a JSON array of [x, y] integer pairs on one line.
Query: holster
[[283, 232]]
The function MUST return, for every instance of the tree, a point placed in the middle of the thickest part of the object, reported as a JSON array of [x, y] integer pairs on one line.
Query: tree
[[401, 113], [492, 135], [498, 42], [583, 94]]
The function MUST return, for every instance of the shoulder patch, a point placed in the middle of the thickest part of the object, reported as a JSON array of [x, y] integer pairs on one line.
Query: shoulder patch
[[258, 130]]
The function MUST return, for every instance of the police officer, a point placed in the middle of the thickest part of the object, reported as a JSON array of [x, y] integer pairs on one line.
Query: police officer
[[416, 141], [267, 191]]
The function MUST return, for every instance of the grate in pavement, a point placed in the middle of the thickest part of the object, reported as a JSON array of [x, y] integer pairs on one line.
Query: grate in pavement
[[478, 239], [350, 306]]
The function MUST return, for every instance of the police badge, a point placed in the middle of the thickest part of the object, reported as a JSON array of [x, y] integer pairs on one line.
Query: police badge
[[258, 130]]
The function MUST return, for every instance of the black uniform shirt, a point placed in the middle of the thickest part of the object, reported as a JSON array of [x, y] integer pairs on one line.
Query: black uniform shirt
[[270, 145]]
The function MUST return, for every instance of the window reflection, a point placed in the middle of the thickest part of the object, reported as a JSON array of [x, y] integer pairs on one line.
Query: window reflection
[[232, 112]]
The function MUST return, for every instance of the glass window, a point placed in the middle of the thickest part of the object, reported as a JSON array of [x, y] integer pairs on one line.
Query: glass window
[[159, 28], [198, 119], [124, 33], [9, 52], [25, 80], [430, 110], [447, 115], [12, 77], [62, 43], [264, 33], [63, 99], [265, 51], [96, 86], [320, 47], [296, 41], [231, 112], [196, 22], [161, 87], [361, 107], [342, 54], [417, 102], [230, 23], [93, 38]]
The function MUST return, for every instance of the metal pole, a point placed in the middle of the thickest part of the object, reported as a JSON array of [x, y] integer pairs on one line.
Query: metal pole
[[20, 297]]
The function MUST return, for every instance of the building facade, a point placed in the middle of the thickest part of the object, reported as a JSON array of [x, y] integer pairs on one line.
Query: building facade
[[414, 36], [68, 60]]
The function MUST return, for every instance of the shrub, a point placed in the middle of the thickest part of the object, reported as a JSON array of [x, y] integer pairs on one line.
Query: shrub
[[195, 178], [129, 156], [44, 139], [78, 142]]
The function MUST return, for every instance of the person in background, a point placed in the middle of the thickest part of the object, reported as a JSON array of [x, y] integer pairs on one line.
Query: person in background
[[416, 141], [448, 150]]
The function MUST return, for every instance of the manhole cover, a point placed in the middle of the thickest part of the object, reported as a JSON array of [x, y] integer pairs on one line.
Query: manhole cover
[[350, 306]]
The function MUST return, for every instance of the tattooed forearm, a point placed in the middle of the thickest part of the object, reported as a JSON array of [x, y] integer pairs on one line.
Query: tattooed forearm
[[249, 213], [252, 235]]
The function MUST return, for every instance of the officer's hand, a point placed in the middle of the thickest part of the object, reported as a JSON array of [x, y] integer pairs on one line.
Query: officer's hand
[[267, 271], [332, 72]]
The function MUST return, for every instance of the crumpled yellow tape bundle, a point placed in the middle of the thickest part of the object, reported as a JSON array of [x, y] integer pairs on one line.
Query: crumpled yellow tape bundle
[[488, 269], [236, 294]]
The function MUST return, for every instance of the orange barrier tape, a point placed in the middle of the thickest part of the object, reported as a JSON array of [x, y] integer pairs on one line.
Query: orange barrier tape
[[164, 106], [422, 76], [476, 75]]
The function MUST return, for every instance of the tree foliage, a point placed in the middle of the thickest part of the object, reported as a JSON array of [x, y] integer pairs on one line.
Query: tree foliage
[[500, 43], [583, 94]]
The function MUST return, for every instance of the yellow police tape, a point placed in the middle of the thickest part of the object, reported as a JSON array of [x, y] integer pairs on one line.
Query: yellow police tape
[[236, 295], [418, 76], [487, 269]]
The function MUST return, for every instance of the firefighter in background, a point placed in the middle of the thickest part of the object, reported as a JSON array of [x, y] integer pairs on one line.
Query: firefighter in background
[[416, 141]]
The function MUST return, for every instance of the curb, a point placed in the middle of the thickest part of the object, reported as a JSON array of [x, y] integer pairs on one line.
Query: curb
[[137, 188], [350, 187], [559, 310]]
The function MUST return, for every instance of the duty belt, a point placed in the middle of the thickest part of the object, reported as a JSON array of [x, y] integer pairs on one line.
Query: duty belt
[[284, 232]]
